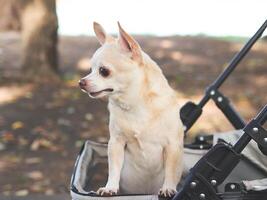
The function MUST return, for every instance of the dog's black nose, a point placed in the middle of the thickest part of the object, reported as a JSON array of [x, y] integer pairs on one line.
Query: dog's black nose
[[82, 83]]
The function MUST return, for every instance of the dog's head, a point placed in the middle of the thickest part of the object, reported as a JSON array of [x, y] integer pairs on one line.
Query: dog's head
[[115, 66]]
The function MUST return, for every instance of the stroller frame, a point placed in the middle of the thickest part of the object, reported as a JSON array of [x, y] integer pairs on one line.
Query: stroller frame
[[213, 168]]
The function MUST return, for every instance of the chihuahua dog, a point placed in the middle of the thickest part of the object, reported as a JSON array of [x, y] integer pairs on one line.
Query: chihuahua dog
[[145, 148]]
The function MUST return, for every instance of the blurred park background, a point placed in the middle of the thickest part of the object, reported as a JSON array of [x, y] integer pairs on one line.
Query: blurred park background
[[46, 45]]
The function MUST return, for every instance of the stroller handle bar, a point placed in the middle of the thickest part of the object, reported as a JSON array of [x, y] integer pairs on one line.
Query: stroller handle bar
[[190, 112], [238, 57], [234, 62]]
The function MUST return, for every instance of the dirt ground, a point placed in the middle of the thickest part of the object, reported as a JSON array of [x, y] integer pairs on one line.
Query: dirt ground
[[42, 126]]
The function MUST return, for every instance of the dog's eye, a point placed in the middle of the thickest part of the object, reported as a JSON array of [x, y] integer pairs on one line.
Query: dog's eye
[[104, 71]]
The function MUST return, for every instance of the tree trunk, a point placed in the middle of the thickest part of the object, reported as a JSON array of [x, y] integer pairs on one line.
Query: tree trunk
[[37, 20], [39, 38], [10, 15]]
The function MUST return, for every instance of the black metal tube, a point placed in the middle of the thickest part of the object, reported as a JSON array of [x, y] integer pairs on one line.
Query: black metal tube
[[239, 56], [233, 63], [242, 143], [245, 138], [233, 116], [204, 100]]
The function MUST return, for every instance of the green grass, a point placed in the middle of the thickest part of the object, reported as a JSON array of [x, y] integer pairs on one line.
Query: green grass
[[232, 38]]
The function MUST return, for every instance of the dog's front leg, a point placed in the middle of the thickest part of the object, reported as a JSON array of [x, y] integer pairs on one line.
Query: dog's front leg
[[173, 159], [115, 162]]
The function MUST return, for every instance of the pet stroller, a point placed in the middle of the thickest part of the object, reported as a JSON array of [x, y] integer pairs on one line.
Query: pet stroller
[[216, 172]]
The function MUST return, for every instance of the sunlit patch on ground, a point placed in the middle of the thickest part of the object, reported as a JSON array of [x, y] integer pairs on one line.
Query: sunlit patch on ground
[[84, 64], [3, 165], [176, 55], [10, 93], [166, 44], [188, 59]]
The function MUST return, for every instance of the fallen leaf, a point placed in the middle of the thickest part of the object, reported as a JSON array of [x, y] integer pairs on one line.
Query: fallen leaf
[[36, 187], [8, 136], [63, 122], [35, 175], [49, 192], [35, 145], [55, 104], [33, 160], [28, 95], [22, 193], [38, 129], [14, 159], [70, 110], [17, 125], [7, 193], [22, 141], [89, 116], [41, 143], [2, 146]]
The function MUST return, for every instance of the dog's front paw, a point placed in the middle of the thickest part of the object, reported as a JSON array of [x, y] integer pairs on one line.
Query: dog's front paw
[[167, 192], [107, 191]]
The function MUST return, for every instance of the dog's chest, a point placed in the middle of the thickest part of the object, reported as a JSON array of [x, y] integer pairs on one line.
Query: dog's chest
[[143, 144], [137, 125], [129, 125], [142, 147]]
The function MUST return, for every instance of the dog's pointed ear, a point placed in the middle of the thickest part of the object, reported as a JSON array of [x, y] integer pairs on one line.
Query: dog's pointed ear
[[101, 34], [128, 44]]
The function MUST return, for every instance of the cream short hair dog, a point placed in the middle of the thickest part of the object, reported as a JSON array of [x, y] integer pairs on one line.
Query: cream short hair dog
[[145, 148]]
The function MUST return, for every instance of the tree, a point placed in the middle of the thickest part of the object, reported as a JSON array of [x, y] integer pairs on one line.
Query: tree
[[9, 15], [37, 20]]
